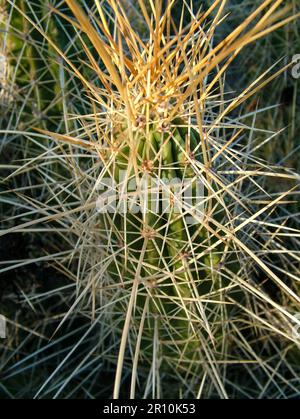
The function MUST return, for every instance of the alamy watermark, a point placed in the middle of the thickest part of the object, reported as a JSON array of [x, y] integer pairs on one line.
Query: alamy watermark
[[2, 327], [154, 195], [296, 66]]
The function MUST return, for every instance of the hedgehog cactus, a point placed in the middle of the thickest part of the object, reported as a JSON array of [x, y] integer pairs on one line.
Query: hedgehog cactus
[[165, 218], [31, 74], [161, 128], [166, 247]]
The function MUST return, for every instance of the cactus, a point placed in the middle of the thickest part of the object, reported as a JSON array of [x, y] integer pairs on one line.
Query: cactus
[[152, 128], [32, 69], [169, 279]]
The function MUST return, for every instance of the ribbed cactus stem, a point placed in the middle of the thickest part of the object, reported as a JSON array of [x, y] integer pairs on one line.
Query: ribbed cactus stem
[[162, 156]]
